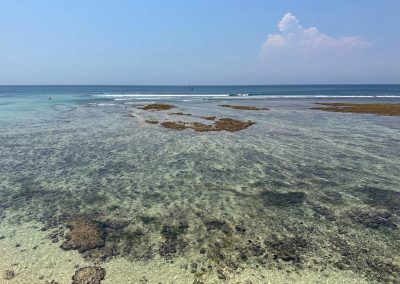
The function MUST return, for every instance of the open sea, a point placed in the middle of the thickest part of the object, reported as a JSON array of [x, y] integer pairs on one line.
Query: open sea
[[300, 196]]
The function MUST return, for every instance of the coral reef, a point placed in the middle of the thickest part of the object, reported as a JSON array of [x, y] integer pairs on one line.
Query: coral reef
[[149, 121], [158, 107], [89, 275], [245, 107], [84, 235], [379, 109]]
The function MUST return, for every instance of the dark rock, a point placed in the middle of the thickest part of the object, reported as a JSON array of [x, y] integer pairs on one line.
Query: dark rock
[[89, 275]]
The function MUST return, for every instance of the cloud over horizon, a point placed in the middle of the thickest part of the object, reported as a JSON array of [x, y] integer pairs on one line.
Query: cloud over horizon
[[307, 55], [294, 36]]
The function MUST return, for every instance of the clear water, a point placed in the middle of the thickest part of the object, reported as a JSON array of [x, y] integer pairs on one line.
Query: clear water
[[301, 196]]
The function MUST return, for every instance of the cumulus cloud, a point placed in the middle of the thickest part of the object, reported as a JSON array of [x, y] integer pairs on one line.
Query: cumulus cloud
[[293, 36], [306, 55]]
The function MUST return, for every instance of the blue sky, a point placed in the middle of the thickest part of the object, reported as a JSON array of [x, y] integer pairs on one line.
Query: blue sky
[[201, 42]]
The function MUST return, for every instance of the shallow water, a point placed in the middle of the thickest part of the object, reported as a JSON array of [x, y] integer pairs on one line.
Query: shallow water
[[300, 196]]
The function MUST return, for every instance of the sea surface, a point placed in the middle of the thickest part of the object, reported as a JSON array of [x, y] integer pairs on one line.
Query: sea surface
[[300, 196]]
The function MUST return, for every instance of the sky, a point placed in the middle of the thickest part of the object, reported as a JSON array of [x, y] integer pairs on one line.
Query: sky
[[158, 42]]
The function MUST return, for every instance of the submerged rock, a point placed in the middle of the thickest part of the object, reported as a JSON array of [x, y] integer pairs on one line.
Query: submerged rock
[[84, 235], [8, 275], [283, 198], [288, 249], [388, 199], [372, 219], [89, 275]]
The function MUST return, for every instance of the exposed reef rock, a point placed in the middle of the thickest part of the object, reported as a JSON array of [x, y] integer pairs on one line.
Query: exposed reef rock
[[372, 219], [8, 275], [283, 199], [245, 107], [89, 275], [379, 109], [151, 121], [84, 235], [158, 107], [209, 117], [222, 124], [179, 113]]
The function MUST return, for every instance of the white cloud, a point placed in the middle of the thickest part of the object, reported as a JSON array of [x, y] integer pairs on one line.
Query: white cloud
[[293, 37], [307, 55]]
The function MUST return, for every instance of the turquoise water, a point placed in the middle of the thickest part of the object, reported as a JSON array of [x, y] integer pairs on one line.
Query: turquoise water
[[300, 196]]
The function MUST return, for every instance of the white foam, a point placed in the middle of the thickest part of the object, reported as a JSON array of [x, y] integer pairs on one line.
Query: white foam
[[159, 95]]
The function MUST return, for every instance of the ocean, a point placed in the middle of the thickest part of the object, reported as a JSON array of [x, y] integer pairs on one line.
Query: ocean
[[90, 178]]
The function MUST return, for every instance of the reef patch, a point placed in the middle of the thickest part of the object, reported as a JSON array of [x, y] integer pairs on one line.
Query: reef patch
[[158, 107], [89, 275], [84, 235], [222, 124], [378, 109], [149, 121]]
